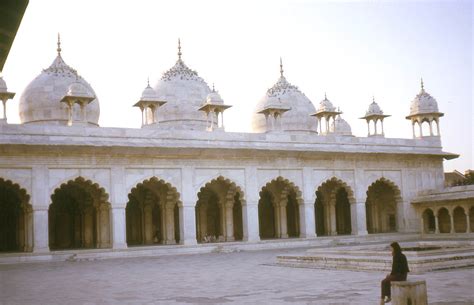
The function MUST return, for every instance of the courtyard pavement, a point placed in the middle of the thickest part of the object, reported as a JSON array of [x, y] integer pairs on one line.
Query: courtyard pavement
[[216, 278]]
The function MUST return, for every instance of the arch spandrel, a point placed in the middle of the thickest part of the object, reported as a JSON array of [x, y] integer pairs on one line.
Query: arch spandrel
[[133, 176], [85, 182], [231, 187], [20, 176], [202, 176], [341, 183], [58, 177], [171, 190], [289, 187]]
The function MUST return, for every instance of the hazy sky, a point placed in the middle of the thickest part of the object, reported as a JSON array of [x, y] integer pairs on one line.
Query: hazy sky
[[349, 49]]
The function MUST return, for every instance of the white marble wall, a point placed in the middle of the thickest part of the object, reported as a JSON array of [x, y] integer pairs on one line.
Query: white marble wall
[[117, 175]]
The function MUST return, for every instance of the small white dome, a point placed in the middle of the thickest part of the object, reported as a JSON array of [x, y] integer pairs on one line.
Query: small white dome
[[3, 85], [214, 98], [340, 127], [40, 101], [326, 105], [149, 94], [297, 119], [79, 90], [374, 108], [423, 103]]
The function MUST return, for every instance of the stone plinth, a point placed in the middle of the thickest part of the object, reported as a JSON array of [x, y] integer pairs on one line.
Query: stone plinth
[[409, 293]]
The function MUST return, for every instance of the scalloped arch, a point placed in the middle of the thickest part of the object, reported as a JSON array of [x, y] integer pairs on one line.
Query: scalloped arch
[[155, 179], [87, 182], [25, 197], [343, 184], [233, 187], [391, 184], [290, 185]]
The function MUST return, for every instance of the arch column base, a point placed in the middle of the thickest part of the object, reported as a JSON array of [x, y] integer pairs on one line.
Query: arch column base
[[40, 228], [118, 228], [250, 222]]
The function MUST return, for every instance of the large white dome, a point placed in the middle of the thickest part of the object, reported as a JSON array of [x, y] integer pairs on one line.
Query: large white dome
[[297, 119], [40, 101], [185, 92]]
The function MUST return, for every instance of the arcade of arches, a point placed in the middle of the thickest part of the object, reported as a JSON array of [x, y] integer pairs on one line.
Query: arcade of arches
[[332, 209], [219, 212], [16, 229], [448, 218], [152, 214], [79, 216], [278, 210], [381, 207]]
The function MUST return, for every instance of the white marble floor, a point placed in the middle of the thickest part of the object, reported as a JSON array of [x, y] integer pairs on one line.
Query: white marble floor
[[217, 278]]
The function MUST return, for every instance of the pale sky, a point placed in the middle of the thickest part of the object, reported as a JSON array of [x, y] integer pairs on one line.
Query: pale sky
[[349, 49]]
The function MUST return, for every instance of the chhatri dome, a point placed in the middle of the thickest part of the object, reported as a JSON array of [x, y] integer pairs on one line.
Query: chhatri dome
[[423, 103], [40, 101], [340, 126], [297, 119], [185, 92]]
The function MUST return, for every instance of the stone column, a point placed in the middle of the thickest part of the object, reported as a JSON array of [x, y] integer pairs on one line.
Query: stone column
[[40, 228], [169, 219], [422, 225], [229, 220], [29, 229], [358, 218], [468, 220], [436, 224], [250, 222], [332, 215], [202, 216], [222, 220], [307, 220], [277, 219], [118, 228], [148, 224], [451, 219], [187, 220], [283, 220]]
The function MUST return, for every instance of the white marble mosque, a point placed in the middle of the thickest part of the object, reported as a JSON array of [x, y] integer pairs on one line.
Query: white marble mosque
[[181, 179]]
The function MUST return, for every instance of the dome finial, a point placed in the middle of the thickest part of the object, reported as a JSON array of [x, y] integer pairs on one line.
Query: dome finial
[[179, 49], [422, 85], [148, 81], [213, 90], [59, 45], [325, 97], [281, 67], [373, 99]]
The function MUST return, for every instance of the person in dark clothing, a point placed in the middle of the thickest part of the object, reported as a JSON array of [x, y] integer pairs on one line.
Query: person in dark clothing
[[399, 271]]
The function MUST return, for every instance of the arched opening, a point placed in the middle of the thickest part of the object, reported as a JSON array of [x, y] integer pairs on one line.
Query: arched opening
[[219, 212], [471, 218], [266, 216], [152, 214], [425, 128], [319, 214], [79, 216], [444, 221], [333, 208], [16, 230], [381, 207], [429, 225], [417, 129], [278, 210], [459, 218]]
